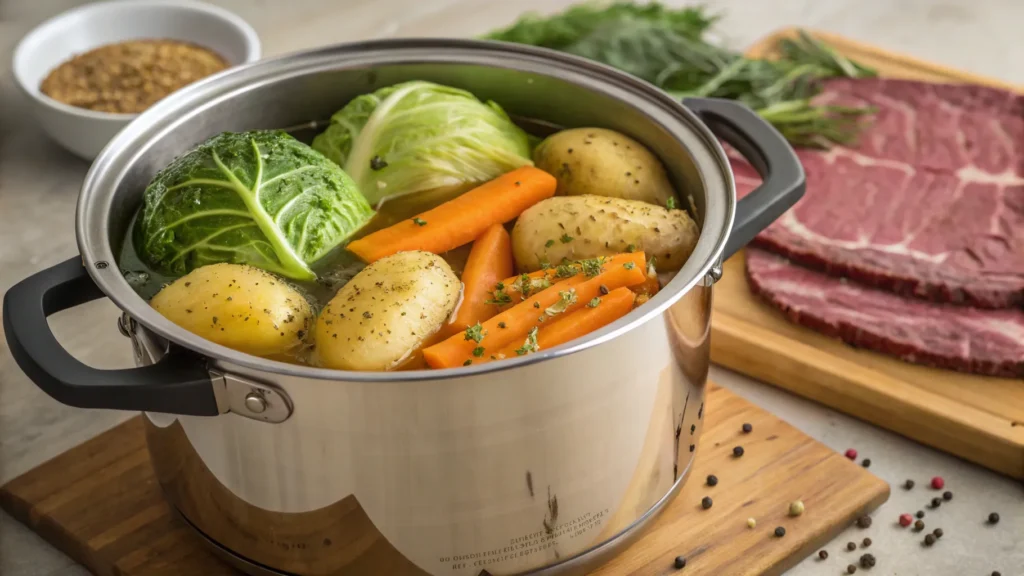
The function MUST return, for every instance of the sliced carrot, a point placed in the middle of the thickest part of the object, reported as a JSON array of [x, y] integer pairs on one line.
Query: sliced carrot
[[460, 220], [536, 281], [514, 324], [489, 261], [609, 308]]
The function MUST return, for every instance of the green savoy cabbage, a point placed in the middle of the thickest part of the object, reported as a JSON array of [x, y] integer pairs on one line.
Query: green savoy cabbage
[[260, 198]]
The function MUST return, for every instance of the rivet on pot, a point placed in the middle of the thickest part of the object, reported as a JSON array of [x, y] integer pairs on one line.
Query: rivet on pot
[[255, 403]]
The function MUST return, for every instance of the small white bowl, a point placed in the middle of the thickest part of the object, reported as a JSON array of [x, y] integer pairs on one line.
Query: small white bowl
[[85, 132]]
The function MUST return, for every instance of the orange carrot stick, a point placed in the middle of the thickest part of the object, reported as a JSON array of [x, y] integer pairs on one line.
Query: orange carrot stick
[[570, 326], [489, 261], [515, 323], [461, 219]]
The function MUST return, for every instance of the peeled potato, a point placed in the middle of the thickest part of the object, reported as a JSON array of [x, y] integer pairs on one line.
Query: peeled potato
[[386, 311], [579, 227], [604, 163], [240, 307]]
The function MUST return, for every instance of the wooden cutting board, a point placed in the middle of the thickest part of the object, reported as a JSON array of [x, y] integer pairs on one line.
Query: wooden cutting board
[[977, 418], [100, 503]]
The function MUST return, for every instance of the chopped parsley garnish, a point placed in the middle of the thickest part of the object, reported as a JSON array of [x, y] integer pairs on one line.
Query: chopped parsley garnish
[[419, 221], [530, 345], [592, 266], [478, 351], [565, 271], [499, 286], [671, 203], [631, 248], [544, 264], [566, 298], [629, 265], [652, 271], [467, 362], [594, 302], [549, 243], [500, 297], [524, 285], [565, 238], [475, 333], [377, 163]]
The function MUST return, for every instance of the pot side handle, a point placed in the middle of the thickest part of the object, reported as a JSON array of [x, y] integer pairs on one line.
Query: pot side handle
[[179, 383], [783, 180]]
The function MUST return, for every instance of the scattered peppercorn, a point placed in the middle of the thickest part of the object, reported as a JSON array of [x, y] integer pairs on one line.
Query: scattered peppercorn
[[851, 546], [680, 563], [712, 480], [867, 561], [929, 540], [919, 525], [866, 463], [851, 454], [947, 496], [796, 508], [993, 518], [823, 554], [996, 573], [706, 502], [780, 531], [906, 520], [938, 532], [851, 569], [737, 451], [751, 523], [866, 542], [909, 484], [864, 521], [920, 514], [936, 502], [938, 483], [747, 428]]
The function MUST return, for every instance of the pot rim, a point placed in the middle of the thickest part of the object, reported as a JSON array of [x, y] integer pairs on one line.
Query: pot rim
[[157, 122]]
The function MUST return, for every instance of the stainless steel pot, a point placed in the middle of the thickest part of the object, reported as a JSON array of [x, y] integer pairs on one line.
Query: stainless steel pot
[[544, 464]]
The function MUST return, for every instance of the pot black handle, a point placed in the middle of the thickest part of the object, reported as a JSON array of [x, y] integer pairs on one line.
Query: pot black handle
[[179, 383], [768, 152]]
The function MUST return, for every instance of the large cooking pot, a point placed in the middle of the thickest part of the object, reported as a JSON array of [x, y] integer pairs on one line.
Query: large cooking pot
[[545, 464]]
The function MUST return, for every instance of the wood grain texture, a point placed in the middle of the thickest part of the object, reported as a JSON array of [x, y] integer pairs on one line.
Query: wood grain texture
[[978, 418], [100, 503]]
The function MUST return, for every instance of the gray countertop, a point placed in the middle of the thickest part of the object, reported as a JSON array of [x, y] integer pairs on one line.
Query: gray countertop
[[39, 184]]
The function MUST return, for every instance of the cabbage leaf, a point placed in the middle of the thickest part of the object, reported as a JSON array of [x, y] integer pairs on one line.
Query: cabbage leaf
[[419, 136], [260, 198]]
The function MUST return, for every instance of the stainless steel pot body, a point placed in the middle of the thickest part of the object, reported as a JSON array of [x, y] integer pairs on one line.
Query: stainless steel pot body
[[545, 464]]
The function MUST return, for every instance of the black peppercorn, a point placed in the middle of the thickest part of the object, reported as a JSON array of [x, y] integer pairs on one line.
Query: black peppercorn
[[920, 514], [823, 554], [993, 518], [947, 496], [737, 451], [997, 573], [937, 532], [706, 502], [936, 502], [747, 428], [851, 569], [909, 484], [712, 480], [867, 561], [919, 525], [866, 542], [851, 546], [680, 563], [866, 463], [864, 521], [780, 531], [929, 540]]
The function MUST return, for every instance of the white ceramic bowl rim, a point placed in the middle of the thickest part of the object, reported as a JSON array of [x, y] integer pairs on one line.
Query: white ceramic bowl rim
[[34, 38]]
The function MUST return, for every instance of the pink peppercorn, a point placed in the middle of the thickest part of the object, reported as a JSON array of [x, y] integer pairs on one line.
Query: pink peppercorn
[[851, 454], [906, 520], [938, 483]]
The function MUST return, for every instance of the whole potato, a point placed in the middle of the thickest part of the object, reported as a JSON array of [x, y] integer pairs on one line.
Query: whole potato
[[241, 307], [386, 311], [604, 163], [578, 227]]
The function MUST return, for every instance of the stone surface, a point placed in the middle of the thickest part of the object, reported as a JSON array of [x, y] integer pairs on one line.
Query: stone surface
[[39, 183]]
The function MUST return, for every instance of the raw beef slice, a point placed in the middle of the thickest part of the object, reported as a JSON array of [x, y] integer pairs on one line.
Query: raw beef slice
[[929, 204], [989, 342]]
